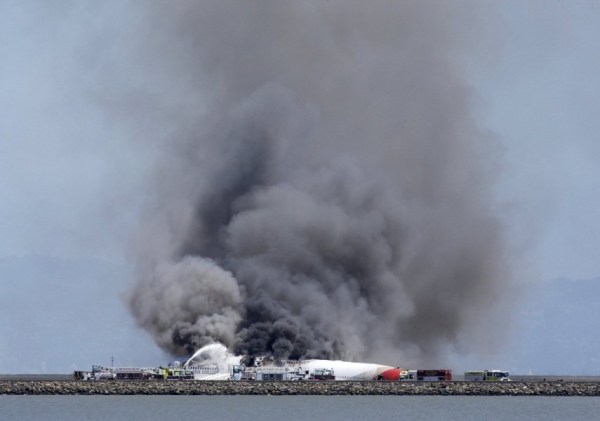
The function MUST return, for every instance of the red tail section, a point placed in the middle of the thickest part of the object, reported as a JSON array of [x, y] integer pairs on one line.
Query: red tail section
[[391, 374]]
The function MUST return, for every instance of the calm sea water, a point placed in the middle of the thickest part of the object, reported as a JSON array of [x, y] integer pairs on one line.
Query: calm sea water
[[284, 408]]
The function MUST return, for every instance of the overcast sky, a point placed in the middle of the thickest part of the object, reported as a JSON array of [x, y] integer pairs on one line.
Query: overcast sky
[[72, 183], [542, 99]]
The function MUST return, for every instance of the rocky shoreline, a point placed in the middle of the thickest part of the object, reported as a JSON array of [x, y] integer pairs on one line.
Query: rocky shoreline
[[298, 388]]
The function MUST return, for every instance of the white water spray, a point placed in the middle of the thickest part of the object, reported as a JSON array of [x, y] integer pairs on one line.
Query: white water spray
[[215, 353]]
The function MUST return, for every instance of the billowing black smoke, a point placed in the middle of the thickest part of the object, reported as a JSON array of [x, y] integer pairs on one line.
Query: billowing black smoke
[[325, 191]]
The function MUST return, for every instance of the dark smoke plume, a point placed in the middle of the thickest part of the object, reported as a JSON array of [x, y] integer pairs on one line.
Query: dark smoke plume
[[325, 190]]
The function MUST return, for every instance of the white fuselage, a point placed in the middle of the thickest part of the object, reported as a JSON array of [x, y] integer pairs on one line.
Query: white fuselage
[[345, 370]]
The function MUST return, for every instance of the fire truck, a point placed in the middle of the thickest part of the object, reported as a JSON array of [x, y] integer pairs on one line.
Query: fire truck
[[487, 376], [427, 375]]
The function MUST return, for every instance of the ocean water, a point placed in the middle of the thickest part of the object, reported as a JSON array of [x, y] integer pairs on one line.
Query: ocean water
[[285, 408]]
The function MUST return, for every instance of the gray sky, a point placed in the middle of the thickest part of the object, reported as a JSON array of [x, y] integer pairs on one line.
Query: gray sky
[[72, 181], [66, 173], [541, 96]]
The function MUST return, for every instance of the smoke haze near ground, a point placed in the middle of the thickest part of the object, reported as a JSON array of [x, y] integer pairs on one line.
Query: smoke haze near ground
[[324, 190]]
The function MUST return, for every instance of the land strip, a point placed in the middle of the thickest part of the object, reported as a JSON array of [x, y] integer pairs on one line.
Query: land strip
[[111, 387]]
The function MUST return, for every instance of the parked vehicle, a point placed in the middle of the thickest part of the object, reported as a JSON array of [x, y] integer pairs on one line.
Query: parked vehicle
[[487, 375]]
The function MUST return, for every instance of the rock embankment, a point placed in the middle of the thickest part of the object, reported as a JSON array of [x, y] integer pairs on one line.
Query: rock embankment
[[298, 388]]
